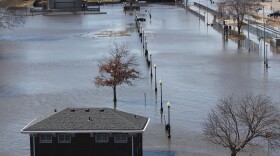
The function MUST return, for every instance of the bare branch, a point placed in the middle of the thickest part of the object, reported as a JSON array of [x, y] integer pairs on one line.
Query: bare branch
[[237, 9], [236, 122]]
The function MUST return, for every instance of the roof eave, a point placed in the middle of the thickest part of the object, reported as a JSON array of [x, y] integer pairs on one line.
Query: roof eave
[[85, 131]]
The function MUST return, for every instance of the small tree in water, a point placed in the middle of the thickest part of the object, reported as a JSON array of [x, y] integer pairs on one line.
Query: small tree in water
[[117, 68], [238, 122], [237, 9]]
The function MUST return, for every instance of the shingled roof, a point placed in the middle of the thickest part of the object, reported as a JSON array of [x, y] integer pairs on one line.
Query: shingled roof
[[88, 120]]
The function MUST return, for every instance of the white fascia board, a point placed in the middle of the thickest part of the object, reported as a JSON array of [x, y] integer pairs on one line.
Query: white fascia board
[[146, 125], [85, 131]]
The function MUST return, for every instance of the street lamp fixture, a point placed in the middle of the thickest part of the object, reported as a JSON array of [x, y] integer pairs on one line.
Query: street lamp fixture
[[161, 109], [155, 77]]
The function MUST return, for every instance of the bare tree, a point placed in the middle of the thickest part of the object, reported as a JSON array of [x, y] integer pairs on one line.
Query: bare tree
[[9, 16], [238, 9], [237, 122], [117, 68]]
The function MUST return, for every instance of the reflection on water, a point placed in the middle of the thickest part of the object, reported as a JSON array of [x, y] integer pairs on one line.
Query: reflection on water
[[159, 153], [50, 64]]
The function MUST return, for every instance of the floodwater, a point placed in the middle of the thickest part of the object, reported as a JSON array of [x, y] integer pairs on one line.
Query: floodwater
[[50, 63]]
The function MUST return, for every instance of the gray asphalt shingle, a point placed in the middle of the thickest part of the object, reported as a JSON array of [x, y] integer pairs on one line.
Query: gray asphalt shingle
[[89, 119]]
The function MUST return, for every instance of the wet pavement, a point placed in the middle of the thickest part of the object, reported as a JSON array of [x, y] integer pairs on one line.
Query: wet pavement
[[50, 63]]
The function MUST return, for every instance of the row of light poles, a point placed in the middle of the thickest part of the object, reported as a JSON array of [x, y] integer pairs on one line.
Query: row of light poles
[[168, 125], [143, 39]]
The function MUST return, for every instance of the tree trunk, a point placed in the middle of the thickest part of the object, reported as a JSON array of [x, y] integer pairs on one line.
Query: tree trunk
[[115, 105], [115, 93], [239, 30], [233, 153], [238, 44]]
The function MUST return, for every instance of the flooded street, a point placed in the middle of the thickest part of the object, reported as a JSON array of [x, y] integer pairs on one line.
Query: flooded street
[[50, 63]]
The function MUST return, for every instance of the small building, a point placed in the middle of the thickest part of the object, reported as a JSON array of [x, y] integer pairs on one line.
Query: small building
[[65, 4], [87, 132]]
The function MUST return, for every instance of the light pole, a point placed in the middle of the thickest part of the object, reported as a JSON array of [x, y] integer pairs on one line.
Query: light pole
[[264, 36], [259, 43], [207, 11], [266, 61], [155, 77], [151, 64], [146, 43], [161, 109], [248, 32], [264, 52], [199, 10], [168, 125]]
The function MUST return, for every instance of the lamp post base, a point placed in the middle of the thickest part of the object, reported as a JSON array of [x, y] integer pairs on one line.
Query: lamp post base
[[167, 127], [169, 136]]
